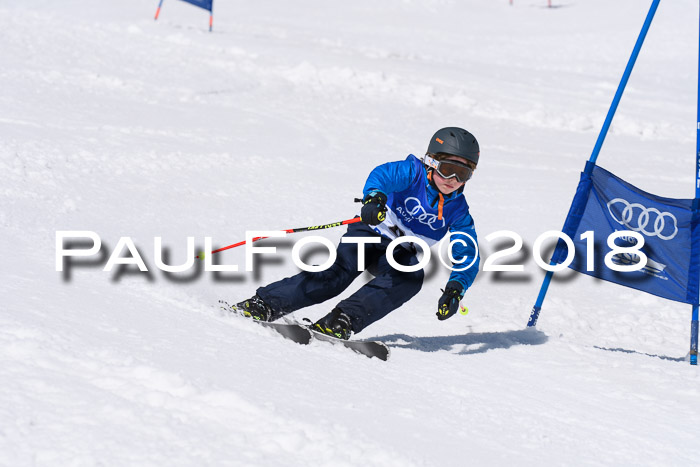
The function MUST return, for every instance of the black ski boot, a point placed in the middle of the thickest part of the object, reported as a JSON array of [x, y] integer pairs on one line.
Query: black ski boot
[[336, 324], [255, 308]]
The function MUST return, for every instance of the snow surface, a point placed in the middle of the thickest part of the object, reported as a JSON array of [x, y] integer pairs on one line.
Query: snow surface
[[113, 123]]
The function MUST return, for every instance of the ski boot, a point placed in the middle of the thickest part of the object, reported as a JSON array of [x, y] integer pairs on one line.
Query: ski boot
[[255, 308], [336, 324]]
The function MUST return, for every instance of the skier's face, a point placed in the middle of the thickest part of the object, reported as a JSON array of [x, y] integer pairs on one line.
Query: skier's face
[[447, 185]]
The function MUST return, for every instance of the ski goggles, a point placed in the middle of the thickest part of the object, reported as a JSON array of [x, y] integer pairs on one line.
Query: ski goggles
[[449, 168]]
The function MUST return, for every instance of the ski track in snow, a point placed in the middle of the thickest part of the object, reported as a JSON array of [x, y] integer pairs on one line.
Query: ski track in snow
[[114, 123]]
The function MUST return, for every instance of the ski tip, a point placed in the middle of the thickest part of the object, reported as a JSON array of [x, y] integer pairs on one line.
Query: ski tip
[[368, 348]]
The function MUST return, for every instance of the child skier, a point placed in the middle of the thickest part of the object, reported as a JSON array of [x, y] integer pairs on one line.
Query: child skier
[[410, 197]]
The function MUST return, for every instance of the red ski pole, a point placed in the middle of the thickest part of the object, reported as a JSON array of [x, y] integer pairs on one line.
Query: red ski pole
[[299, 229]]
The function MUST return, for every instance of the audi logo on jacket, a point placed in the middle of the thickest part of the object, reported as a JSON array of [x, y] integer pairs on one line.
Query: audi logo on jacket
[[414, 208]]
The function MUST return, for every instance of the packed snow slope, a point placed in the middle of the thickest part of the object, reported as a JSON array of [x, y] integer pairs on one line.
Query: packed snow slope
[[113, 123]]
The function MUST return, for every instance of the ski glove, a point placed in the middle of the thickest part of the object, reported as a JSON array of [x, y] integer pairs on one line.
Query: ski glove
[[449, 302], [374, 208]]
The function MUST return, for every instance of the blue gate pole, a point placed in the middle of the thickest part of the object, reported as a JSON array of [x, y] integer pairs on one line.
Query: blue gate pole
[[694, 319], [535, 313], [623, 82]]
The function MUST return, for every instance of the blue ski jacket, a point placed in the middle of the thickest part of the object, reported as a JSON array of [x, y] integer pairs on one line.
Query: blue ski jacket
[[415, 207]]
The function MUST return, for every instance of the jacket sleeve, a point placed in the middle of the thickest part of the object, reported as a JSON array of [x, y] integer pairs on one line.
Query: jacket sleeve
[[467, 251], [390, 177]]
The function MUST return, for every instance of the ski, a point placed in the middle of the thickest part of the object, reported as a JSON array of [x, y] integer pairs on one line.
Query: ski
[[292, 331], [365, 347], [303, 334]]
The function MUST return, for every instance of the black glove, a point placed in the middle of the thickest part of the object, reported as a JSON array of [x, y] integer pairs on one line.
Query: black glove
[[449, 302], [374, 208]]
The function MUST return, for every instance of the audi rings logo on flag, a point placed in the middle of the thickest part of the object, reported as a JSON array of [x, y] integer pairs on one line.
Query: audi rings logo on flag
[[416, 210], [648, 221]]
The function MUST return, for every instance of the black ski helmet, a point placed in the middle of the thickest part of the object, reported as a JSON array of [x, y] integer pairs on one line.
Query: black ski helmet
[[455, 141]]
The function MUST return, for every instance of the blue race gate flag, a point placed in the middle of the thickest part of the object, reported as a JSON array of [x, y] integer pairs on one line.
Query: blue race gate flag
[[206, 4], [605, 204]]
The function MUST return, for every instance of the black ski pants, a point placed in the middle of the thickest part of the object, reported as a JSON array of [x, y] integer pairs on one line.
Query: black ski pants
[[388, 290]]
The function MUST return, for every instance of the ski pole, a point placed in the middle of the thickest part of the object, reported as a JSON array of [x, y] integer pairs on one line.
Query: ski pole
[[298, 229]]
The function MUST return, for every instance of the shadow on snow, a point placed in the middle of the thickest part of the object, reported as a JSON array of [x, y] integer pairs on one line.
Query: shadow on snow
[[662, 357], [478, 342]]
